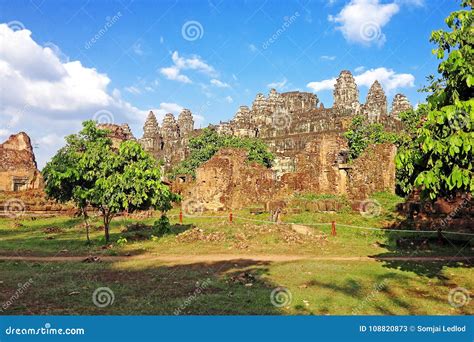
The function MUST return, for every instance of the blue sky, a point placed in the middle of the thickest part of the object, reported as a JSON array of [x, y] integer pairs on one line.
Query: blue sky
[[66, 61]]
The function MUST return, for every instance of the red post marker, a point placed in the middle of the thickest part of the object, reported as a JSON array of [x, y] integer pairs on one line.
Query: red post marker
[[230, 217], [180, 217], [333, 230]]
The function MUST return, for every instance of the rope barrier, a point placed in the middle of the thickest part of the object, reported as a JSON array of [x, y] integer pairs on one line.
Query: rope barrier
[[329, 224]]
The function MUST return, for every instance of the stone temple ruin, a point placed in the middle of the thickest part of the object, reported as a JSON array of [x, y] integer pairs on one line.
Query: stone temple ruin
[[168, 142], [18, 170], [287, 122], [296, 127], [305, 137]]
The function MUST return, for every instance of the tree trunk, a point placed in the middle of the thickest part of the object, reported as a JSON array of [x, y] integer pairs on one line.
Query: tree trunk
[[106, 226], [86, 220]]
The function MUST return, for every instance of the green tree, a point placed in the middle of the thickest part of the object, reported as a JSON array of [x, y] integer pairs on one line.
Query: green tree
[[438, 158], [90, 172], [362, 133], [205, 145], [65, 178]]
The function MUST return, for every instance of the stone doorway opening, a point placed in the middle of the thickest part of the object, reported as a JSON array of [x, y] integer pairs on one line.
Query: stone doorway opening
[[20, 184]]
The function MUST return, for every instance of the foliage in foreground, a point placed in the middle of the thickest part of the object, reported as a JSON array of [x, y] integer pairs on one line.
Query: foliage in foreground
[[89, 172], [437, 156], [209, 142]]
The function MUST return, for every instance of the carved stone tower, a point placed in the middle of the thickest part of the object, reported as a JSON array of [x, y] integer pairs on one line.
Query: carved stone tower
[[346, 94], [400, 104], [376, 103], [185, 122]]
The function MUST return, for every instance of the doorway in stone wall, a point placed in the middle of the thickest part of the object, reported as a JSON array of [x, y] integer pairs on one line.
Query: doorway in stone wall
[[20, 184]]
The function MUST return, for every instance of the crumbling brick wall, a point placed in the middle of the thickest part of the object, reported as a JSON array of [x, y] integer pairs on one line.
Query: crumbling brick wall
[[229, 181], [373, 171], [317, 167]]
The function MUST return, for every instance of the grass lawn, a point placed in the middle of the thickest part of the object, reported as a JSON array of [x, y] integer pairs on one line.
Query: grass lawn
[[237, 287], [241, 286]]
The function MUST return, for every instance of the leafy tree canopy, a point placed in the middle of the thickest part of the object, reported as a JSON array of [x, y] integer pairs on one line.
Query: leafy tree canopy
[[205, 145], [90, 172], [437, 156]]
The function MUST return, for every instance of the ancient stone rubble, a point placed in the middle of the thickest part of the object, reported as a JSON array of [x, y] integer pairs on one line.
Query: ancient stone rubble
[[18, 170], [117, 133]]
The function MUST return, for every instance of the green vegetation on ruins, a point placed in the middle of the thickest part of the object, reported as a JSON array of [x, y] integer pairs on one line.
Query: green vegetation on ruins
[[209, 142]]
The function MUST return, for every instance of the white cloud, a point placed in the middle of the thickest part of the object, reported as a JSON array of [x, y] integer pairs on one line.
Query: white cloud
[[4, 132], [167, 107], [359, 69], [416, 3], [51, 140], [133, 90], [322, 85], [229, 99], [49, 98], [388, 78], [219, 83], [173, 73], [362, 21], [328, 58], [194, 63], [278, 85]]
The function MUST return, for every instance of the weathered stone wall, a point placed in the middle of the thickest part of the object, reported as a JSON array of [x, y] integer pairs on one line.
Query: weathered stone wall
[[18, 170], [229, 181], [317, 167], [372, 171]]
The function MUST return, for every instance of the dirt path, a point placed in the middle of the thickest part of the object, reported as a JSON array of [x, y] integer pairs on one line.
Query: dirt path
[[188, 259]]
